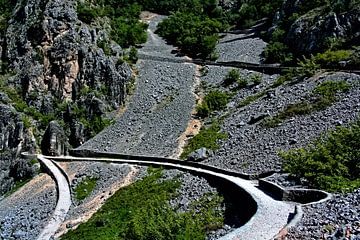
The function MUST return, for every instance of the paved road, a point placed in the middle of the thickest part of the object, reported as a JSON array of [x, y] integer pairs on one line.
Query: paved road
[[271, 215], [63, 203]]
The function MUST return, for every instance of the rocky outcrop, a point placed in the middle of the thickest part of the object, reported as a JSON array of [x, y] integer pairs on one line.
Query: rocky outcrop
[[59, 73], [314, 28], [13, 139], [54, 140]]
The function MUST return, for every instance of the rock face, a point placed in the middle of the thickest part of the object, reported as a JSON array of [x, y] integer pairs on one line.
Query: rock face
[[312, 31], [54, 140], [58, 72]]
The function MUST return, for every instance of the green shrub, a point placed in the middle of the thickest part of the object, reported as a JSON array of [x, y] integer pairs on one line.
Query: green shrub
[[332, 58], [87, 13], [203, 110], [213, 101], [142, 211], [105, 46], [27, 121], [133, 55], [256, 78], [231, 77], [277, 52], [242, 82], [195, 34], [331, 163]]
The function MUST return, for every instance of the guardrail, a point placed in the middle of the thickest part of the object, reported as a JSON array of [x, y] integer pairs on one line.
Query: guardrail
[[90, 153]]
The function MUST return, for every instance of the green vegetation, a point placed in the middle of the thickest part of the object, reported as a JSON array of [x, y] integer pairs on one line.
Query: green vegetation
[[127, 30], [231, 77], [207, 138], [332, 58], [331, 163], [213, 101], [142, 211], [195, 34], [323, 96], [250, 99], [252, 10], [84, 188], [256, 78]]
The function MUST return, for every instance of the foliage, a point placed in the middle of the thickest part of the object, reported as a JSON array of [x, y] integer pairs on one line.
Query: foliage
[[231, 77], [250, 99], [213, 101], [256, 78], [133, 57], [142, 211], [277, 52], [332, 58], [331, 163], [196, 35], [252, 10], [322, 97], [86, 12], [126, 28], [207, 138], [105, 46], [84, 188], [6, 8]]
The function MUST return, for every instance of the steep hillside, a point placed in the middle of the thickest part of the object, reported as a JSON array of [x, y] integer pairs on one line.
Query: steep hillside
[[55, 78]]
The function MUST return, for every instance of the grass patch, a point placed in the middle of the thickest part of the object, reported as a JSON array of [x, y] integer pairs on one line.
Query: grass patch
[[207, 138], [331, 163], [250, 99], [323, 96], [84, 188], [141, 211]]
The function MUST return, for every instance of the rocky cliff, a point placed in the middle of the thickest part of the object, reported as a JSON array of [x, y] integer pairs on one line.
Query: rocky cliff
[[57, 79], [314, 27]]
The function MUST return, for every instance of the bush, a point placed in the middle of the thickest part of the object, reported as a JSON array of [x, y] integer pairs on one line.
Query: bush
[[256, 78], [242, 82], [331, 163], [87, 13], [196, 35], [277, 52], [213, 101], [332, 58], [232, 76]]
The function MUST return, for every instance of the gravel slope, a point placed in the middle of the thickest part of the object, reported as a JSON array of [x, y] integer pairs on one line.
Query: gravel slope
[[160, 109], [26, 212], [252, 148]]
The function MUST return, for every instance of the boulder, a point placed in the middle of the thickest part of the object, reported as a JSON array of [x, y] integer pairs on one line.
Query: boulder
[[54, 140], [199, 155]]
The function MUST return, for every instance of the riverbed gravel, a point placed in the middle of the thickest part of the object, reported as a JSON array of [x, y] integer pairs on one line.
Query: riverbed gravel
[[24, 213], [158, 112]]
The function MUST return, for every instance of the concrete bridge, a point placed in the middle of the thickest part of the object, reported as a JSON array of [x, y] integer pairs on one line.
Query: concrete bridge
[[264, 212]]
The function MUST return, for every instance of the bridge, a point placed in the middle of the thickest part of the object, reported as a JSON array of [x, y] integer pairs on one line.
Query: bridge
[[266, 212]]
